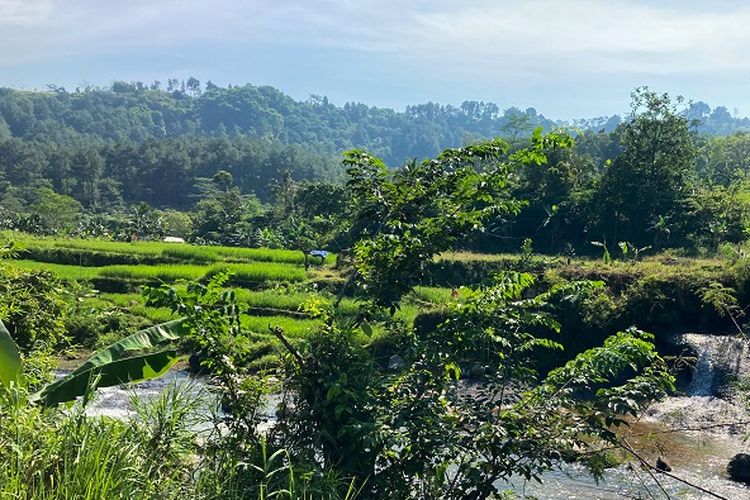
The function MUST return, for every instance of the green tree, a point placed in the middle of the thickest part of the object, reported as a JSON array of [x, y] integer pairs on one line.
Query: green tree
[[57, 212], [405, 219], [652, 175]]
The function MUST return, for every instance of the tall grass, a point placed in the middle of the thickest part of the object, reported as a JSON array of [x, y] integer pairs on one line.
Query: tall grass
[[64, 271], [436, 295], [164, 272], [293, 328], [247, 273], [54, 454]]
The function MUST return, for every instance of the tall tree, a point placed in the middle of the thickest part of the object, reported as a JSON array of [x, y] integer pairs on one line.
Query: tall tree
[[649, 180]]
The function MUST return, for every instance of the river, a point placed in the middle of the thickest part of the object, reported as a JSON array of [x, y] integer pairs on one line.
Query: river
[[697, 456]]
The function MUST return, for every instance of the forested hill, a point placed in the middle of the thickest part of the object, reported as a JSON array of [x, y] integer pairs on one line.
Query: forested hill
[[134, 111]]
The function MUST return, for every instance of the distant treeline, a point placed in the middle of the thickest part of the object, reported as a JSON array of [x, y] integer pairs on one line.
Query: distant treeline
[[136, 112], [163, 173]]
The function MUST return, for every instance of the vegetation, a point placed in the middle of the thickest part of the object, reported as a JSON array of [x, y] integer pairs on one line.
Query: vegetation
[[406, 365]]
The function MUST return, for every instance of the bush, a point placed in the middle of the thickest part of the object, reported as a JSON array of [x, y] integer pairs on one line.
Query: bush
[[34, 306]]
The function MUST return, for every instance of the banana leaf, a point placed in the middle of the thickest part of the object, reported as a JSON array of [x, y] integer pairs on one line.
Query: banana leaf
[[10, 359], [123, 371], [142, 340], [109, 366]]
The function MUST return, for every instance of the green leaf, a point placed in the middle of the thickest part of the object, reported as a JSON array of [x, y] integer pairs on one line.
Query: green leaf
[[129, 370], [366, 328], [10, 359], [453, 371], [112, 368], [142, 340]]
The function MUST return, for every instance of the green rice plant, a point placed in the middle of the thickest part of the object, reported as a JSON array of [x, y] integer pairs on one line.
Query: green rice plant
[[437, 295], [123, 299], [273, 299], [166, 251], [204, 254], [165, 272], [250, 273], [268, 361], [407, 313], [262, 254], [65, 272], [135, 303], [293, 328], [151, 248], [153, 314]]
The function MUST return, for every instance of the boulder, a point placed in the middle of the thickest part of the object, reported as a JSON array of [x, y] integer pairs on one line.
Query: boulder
[[663, 465], [395, 363], [739, 468]]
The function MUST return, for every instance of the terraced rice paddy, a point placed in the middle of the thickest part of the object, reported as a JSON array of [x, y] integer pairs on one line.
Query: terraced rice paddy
[[272, 285]]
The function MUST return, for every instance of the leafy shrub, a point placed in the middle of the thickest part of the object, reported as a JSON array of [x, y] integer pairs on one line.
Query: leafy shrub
[[34, 306]]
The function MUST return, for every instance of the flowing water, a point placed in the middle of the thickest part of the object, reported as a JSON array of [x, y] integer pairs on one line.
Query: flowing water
[[117, 402], [697, 433]]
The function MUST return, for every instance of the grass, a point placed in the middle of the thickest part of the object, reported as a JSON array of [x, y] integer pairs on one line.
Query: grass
[[257, 272], [134, 303], [166, 252], [56, 453], [293, 328], [166, 272], [64, 271], [436, 295], [247, 273]]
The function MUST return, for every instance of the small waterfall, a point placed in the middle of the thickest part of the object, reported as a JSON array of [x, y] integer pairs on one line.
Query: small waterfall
[[719, 358], [704, 374]]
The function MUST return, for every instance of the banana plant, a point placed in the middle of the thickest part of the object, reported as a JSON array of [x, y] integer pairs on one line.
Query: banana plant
[[111, 366]]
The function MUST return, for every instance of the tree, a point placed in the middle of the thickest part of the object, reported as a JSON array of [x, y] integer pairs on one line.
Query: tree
[[403, 220], [57, 212], [87, 165], [652, 175], [194, 86]]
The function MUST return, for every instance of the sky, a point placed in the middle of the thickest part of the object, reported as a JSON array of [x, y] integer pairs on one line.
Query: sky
[[567, 59]]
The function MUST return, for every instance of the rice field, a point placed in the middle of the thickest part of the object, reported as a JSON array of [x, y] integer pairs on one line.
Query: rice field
[[246, 273], [157, 251], [272, 286]]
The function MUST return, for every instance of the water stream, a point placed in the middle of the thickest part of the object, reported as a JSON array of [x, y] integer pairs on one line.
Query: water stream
[[668, 430]]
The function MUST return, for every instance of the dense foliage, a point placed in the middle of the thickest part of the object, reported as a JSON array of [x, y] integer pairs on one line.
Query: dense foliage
[[459, 410], [233, 166]]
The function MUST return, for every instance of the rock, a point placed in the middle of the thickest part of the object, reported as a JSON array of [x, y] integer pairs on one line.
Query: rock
[[662, 464], [194, 363], [477, 371], [395, 362], [739, 468]]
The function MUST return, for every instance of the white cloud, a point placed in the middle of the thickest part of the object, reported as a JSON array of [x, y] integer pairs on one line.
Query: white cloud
[[24, 12], [593, 36], [614, 35]]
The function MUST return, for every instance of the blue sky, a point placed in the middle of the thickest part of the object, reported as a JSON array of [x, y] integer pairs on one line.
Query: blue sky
[[571, 58]]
